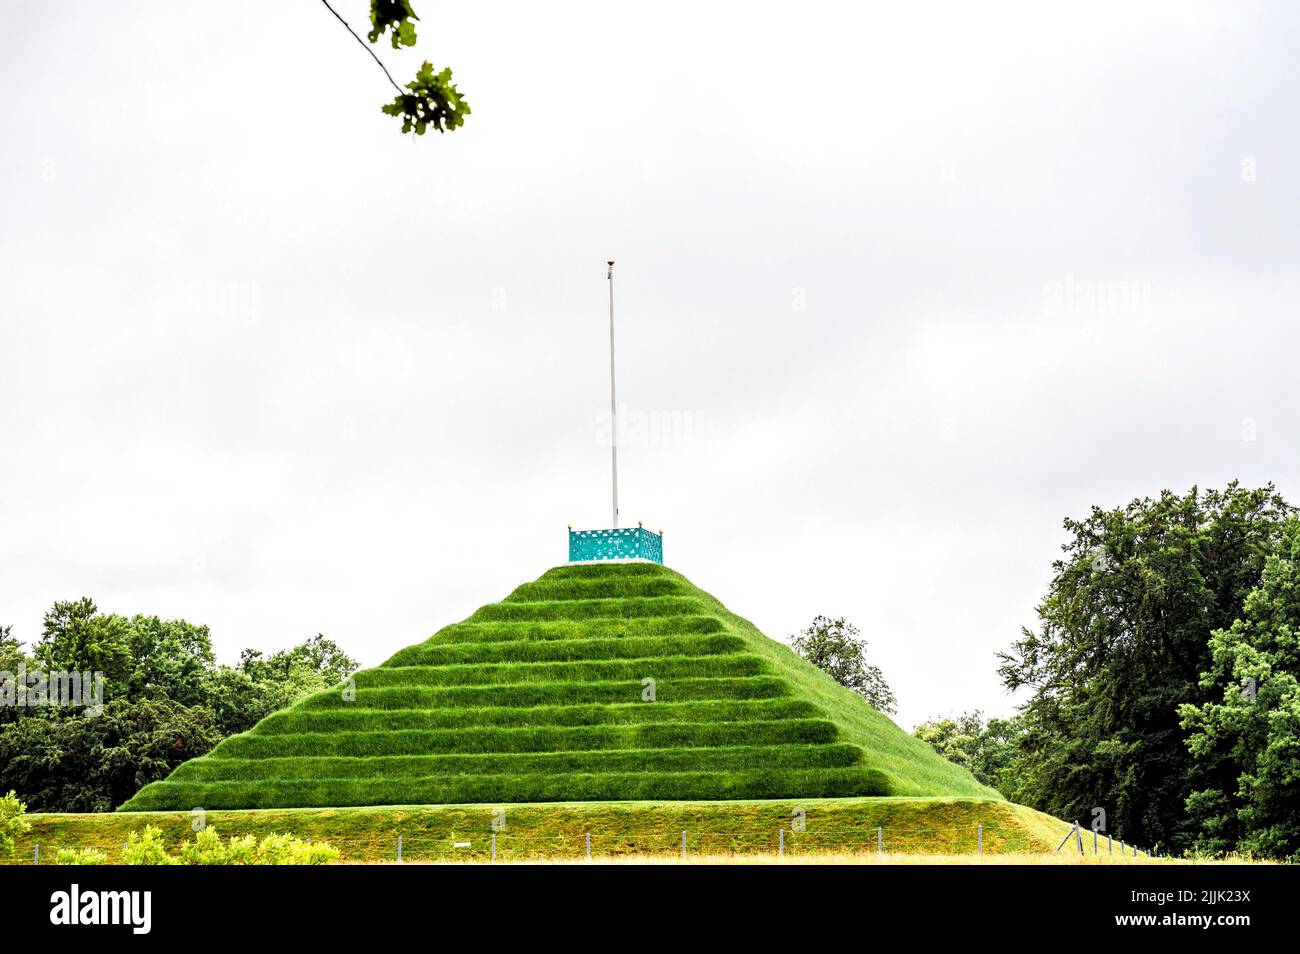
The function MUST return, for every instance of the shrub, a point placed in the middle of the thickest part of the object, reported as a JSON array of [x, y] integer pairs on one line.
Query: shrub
[[146, 848], [80, 856], [288, 850], [242, 850], [207, 848], [12, 822]]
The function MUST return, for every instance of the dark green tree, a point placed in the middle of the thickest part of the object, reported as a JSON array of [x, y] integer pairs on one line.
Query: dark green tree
[[986, 749], [61, 761], [171, 659], [1250, 725], [11, 651], [319, 656], [834, 646], [12, 659], [76, 637], [243, 695], [1122, 639], [167, 701]]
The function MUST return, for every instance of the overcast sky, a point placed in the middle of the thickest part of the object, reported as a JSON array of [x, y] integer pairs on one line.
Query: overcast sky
[[899, 287]]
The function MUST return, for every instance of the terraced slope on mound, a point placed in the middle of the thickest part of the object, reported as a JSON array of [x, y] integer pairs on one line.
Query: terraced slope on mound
[[543, 697]]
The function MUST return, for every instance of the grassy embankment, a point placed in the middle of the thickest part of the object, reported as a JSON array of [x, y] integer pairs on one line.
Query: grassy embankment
[[918, 828]]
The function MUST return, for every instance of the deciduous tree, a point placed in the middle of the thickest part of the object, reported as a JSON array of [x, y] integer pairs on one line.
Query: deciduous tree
[[1123, 636], [1250, 725], [986, 749], [834, 646]]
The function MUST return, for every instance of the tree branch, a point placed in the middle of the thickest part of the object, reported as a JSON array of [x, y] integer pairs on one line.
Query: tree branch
[[400, 91]]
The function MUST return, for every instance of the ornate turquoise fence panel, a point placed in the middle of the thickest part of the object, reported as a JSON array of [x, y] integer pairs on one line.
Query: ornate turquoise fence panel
[[630, 543]]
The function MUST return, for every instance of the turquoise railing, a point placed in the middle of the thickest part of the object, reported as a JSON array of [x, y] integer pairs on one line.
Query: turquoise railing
[[629, 543]]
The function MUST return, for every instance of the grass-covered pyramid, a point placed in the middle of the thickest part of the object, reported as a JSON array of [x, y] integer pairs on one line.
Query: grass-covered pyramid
[[542, 697]]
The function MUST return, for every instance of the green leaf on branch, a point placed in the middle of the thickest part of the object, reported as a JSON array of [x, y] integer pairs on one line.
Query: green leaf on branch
[[394, 15], [433, 101]]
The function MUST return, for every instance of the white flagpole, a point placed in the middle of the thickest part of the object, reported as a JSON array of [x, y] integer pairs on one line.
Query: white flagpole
[[613, 406]]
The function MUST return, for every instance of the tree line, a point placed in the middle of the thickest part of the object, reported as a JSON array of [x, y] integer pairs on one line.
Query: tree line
[[1161, 678], [165, 700]]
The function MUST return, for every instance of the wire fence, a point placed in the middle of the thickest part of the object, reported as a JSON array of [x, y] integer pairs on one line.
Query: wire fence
[[523, 844]]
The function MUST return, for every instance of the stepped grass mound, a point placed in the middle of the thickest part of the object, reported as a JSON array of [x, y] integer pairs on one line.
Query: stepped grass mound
[[594, 683], [943, 828]]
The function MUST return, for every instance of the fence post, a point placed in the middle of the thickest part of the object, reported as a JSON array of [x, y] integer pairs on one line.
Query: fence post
[[494, 846], [1066, 838], [683, 846], [1078, 836], [399, 847], [38, 855], [880, 840], [979, 834], [1109, 849], [588, 846], [1095, 836], [781, 844]]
